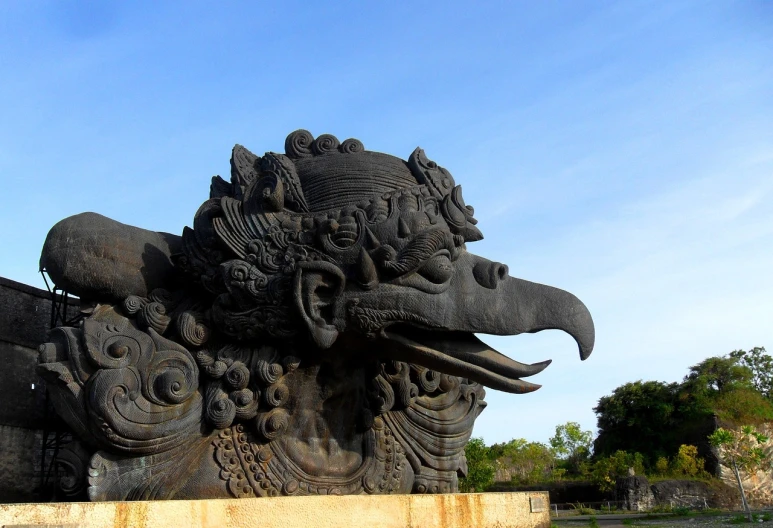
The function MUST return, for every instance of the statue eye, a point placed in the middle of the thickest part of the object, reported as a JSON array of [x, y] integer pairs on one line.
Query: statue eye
[[438, 269]]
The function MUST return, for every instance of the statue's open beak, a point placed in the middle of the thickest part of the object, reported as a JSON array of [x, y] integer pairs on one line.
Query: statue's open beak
[[513, 306], [463, 354]]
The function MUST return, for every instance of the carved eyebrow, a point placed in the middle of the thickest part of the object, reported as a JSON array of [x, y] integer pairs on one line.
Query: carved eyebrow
[[421, 192], [420, 249]]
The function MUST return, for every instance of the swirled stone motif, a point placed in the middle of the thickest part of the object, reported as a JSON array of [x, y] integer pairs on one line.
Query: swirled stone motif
[[312, 333], [72, 464]]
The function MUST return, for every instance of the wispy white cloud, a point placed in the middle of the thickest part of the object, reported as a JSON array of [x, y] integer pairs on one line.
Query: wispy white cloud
[[671, 279]]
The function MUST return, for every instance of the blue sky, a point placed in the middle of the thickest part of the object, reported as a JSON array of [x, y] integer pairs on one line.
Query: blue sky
[[620, 150]]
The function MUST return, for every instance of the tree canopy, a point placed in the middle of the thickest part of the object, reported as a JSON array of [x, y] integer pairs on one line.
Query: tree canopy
[[572, 445], [725, 387], [524, 462], [760, 364], [638, 417], [480, 468], [651, 417], [643, 425]]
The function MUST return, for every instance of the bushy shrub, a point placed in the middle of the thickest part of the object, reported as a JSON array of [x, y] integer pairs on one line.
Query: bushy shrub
[[662, 466], [687, 463], [604, 471], [480, 469], [525, 463]]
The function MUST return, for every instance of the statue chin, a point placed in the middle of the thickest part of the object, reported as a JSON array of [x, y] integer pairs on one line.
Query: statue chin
[[325, 432], [316, 451], [312, 333]]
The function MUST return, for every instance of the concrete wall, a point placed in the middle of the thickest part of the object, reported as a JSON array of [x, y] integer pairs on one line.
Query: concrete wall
[[25, 315], [19, 463], [463, 510]]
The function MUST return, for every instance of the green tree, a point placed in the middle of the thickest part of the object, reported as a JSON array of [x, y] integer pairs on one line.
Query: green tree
[[507, 449], [760, 363], [716, 375], [723, 386], [480, 469], [662, 466], [526, 462], [655, 418], [742, 449], [640, 416], [605, 470], [533, 463], [572, 445], [743, 405], [687, 462]]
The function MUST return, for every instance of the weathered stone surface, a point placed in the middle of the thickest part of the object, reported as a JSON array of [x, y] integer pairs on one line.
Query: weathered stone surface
[[639, 495], [694, 494], [635, 492], [312, 334], [95, 257], [687, 493], [19, 453], [490, 510], [22, 392], [563, 492], [25, 314], [759, 485]]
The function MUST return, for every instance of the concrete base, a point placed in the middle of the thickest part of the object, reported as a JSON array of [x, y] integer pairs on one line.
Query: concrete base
[[500, 510]]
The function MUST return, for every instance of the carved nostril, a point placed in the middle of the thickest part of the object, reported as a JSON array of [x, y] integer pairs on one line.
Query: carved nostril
[[489, 274]]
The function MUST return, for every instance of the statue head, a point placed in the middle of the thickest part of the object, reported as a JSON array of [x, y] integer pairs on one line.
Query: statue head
[[329, 241], [321, 313]]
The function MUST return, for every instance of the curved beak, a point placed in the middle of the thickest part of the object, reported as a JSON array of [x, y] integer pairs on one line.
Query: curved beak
[[539, 307], [474, 303]]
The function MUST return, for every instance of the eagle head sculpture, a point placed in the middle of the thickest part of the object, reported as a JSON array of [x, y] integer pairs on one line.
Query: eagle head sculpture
[[314, 332]]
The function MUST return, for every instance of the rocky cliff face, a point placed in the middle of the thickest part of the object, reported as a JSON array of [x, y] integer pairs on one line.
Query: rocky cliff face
[[635, 492], [638, 495], [758, 486]]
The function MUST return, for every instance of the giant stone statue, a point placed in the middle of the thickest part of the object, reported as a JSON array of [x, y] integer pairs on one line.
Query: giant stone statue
[[313, 333]]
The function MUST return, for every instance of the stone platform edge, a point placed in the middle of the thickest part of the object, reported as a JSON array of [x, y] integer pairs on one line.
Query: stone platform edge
[[489, 510]]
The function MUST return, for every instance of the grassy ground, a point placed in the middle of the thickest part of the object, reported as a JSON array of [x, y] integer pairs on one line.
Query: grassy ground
[[704, 519]]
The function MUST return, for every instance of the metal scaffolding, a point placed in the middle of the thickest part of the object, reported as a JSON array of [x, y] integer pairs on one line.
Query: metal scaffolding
[[55, 432]]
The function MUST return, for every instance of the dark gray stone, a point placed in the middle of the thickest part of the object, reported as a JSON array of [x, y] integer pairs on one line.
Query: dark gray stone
[[635, 492], [685, 493], [19, 464], [313, 333], [25, 315], [94, 257], [639, 495]]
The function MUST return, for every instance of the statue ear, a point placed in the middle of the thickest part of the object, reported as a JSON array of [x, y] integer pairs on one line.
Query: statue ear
[[316, 290]]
